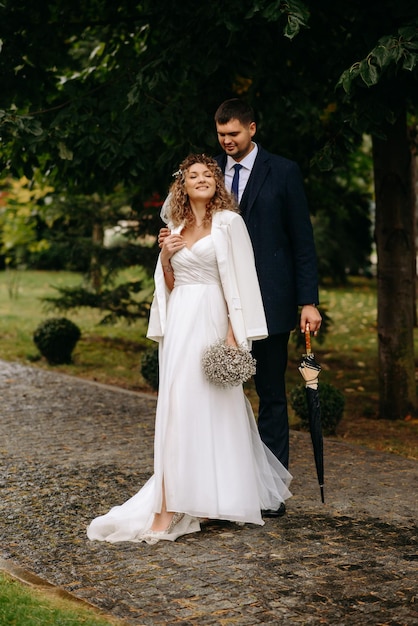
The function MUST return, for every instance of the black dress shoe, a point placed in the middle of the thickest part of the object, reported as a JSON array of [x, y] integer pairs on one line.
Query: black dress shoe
[[274, 512]]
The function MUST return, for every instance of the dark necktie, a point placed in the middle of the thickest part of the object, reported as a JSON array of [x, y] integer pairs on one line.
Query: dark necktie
[[235, 181]]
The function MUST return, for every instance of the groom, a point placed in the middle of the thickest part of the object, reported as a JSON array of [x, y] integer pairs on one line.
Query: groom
[[272, 202]]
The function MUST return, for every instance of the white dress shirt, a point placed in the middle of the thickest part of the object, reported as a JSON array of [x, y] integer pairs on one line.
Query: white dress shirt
[[244, 173]]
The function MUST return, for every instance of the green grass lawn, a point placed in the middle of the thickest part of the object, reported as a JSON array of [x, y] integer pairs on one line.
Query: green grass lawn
[[112, 354], [24, 606], [109, 354]]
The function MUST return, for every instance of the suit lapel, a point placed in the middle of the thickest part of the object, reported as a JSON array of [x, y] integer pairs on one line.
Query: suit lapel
[[257, 177]]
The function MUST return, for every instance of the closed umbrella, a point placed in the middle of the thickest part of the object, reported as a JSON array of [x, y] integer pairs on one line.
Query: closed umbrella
[[309, 370]]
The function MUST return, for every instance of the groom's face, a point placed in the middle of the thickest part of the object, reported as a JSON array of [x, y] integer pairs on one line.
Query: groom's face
[[236, 138]]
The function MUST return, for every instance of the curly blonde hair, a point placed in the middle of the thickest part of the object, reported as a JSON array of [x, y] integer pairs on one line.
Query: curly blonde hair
[[180, 209]]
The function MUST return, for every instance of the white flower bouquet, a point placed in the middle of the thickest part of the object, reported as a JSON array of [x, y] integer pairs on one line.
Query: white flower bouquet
[[227, 366]]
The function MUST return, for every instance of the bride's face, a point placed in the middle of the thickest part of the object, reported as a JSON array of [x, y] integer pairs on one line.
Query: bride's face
[[199, 182]]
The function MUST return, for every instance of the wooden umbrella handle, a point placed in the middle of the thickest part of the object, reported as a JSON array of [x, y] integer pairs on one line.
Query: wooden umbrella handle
[[308, 339]]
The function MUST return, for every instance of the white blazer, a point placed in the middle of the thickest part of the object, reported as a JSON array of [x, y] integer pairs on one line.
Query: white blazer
[[235, 258]]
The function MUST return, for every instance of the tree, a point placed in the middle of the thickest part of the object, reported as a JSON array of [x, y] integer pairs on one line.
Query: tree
[[389, 72], [396, 269]]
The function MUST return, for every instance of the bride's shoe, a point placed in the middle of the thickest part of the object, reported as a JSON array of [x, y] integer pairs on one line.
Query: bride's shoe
[[153, 536]]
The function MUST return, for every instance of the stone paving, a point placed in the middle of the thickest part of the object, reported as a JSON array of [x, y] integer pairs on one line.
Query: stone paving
[[71, 449]]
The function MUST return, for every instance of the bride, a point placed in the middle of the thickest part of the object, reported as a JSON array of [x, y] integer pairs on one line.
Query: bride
[[209, 460]]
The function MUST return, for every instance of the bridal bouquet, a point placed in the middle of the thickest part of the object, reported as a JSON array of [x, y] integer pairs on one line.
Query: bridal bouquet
[[227, 366]]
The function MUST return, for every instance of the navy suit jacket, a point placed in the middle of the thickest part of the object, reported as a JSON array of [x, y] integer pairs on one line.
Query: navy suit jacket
[[276, 213]]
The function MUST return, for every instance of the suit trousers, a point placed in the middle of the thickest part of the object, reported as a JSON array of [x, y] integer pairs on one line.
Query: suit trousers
[[273, 421]]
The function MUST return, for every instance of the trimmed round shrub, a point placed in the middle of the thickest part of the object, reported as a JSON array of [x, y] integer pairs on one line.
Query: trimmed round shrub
[[56, 339], [149, 367], [332, 404]]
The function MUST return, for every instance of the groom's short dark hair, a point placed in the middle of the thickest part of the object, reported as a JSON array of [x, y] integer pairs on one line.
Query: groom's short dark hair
[[234, 109]]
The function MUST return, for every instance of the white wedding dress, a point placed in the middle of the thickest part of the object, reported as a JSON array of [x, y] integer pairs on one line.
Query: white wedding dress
[[207, 447]]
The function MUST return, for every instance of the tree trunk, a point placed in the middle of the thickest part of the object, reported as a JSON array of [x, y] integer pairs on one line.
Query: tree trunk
[[414, 200], [395, 271], [95, 267]]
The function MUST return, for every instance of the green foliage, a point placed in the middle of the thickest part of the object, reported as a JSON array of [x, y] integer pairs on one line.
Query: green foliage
[[332, 404], [116, 100], [296, 13], [56, 339], [149, 367], [82, 224], [20, 212], [119, 105], [343, 212], [120, 302], [391, 54]]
